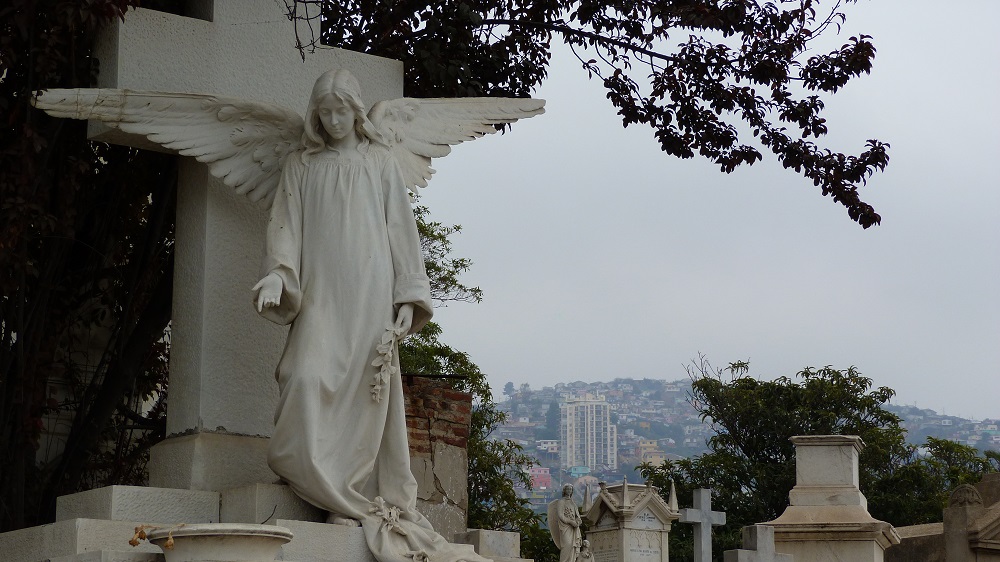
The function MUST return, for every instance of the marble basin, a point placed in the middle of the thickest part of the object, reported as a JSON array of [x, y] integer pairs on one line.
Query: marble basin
[[221, 542]]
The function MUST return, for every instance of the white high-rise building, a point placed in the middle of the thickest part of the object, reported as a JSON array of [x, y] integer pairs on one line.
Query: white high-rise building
[[586, 435]]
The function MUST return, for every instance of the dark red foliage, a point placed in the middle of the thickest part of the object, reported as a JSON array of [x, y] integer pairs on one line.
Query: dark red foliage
[[703, 74]]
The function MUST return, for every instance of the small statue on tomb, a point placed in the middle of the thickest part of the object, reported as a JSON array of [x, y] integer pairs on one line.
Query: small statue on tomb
[[564, 525], [343, 266], [585, 554]]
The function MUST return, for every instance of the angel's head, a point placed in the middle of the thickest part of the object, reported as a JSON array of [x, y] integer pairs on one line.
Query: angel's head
[[335, 88]]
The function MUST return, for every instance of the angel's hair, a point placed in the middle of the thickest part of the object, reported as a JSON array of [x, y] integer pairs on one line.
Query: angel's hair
[[344, 87]]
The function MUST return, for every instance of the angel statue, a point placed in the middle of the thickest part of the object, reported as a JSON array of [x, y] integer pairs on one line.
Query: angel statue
[[342, 265], [564, 525]]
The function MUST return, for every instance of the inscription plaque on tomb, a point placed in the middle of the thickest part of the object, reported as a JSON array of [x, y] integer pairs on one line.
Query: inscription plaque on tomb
[[606, 556], [646, 520]]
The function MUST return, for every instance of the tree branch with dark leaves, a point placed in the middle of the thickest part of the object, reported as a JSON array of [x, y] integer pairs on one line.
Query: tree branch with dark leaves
[[725, 93]]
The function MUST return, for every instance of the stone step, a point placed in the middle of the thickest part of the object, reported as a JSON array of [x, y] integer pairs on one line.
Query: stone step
[[74, 537], [140, 503], [83, 539], [109, 556]]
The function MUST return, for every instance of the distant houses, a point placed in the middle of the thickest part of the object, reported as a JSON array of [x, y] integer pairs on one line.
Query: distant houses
[[605, 429]]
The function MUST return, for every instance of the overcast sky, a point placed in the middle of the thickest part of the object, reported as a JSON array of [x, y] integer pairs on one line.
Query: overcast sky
[[602, 257]]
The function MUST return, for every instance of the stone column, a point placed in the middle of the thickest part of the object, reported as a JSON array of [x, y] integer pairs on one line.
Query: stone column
[[828, 519]]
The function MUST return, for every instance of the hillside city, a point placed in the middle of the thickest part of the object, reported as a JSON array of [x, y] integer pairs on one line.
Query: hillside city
[[588, 432]]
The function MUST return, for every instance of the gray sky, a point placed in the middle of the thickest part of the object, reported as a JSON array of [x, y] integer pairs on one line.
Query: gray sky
[[602, 257]]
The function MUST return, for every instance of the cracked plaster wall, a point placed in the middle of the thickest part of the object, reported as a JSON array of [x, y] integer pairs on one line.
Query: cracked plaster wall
[[437, 420]]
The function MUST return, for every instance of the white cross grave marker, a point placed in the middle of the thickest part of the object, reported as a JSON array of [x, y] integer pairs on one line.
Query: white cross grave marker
[[758, 546], [222, 389], [703, 519]]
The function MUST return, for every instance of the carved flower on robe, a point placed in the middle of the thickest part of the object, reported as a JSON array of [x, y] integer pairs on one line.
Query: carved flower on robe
[[418, 556], [383, 361], [389, 514]]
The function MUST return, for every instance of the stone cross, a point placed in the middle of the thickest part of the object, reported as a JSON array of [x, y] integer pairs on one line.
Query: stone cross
[[222, 389], [758, 546], [703, 518]]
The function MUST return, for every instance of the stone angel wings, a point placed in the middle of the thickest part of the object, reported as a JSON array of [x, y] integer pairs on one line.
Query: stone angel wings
[[245, 143]]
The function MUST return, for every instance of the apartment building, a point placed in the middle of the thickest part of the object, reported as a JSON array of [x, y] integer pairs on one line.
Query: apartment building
[[586, 434]]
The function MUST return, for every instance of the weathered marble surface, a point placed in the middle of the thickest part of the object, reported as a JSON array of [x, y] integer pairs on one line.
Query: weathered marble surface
[[828, 519]]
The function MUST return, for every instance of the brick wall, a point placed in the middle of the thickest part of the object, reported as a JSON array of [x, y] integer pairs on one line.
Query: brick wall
[[437, 422], [436, 413]]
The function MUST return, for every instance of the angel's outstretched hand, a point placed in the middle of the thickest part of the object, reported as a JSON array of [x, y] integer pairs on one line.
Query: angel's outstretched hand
[[268, 291], [404, 318]]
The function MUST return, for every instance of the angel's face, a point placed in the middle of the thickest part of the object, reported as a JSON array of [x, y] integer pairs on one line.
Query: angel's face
[[336, 117]]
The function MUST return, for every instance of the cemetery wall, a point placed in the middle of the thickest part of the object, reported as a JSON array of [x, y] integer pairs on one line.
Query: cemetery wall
[[927, 543], [437, 422], [919, 543]]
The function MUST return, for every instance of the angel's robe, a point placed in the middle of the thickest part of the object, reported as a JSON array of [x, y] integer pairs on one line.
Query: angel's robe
[[343, 239]]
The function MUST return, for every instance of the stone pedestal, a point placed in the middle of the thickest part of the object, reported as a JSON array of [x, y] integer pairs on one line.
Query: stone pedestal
[[828, 519]]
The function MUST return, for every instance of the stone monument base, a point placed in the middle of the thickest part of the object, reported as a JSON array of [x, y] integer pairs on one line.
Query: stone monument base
[[828, 519], [832, 533], [96, 526]]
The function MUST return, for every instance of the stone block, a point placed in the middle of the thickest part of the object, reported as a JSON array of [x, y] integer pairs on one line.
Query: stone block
[[265, 503], [319, 542], [826, 471], [209, 461], [826, 460], [491, 544], [66, 539], [134, 503]]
